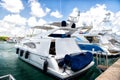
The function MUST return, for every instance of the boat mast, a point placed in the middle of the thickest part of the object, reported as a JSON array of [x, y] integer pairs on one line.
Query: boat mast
[[73, 19]]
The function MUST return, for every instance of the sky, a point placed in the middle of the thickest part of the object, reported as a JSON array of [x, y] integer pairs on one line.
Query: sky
[[17, 16]]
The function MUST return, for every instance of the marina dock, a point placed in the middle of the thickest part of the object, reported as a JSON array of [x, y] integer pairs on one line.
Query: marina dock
[[112, 73]]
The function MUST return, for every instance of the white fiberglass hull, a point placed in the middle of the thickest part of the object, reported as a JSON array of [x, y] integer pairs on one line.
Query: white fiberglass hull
[[38, 61], [61, 74], [49, 54]]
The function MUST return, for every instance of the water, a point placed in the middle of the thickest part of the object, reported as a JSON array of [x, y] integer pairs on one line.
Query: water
[[11, 64]]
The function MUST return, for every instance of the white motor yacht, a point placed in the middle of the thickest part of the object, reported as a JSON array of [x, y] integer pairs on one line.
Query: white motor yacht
[[55, 52], [60, 57]]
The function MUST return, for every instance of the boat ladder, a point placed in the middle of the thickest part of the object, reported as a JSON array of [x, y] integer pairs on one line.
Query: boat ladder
[[102, 65]]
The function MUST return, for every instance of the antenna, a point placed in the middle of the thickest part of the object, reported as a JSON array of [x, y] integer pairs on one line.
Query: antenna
[[74, 19], [107, 17], [60, 7]]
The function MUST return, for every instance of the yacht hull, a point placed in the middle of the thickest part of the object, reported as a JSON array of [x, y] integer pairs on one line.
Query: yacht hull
[[56, 73]]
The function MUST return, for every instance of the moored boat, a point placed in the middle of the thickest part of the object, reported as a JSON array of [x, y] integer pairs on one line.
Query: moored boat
[[60, 57]]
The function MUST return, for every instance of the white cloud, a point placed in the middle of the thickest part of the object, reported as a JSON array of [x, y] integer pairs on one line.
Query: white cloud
[[32, 22], [41, 22], [74, 12], [11, 24], [14, 6], [56, 14], [116, 22], [14, 24], [47, 10], [8, 29], [15, 19], [12, 30], [94, 16], [18, 31], [37, 10], [3, 26], [117, 19]]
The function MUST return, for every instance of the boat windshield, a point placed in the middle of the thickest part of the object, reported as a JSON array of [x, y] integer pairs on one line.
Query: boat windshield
[[60, 34]]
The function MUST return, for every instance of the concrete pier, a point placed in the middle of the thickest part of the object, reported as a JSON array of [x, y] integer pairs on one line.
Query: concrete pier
[[112, 73]]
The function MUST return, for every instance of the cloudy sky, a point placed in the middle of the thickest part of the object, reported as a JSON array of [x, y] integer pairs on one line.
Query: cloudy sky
[[16, 16]]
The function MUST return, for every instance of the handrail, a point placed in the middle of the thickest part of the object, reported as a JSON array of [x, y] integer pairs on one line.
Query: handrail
[[8, 77]]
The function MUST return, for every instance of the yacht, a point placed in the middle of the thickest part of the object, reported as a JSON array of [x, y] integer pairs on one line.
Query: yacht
[[98, 44], [12, 40], [56, 54], [59, 57]]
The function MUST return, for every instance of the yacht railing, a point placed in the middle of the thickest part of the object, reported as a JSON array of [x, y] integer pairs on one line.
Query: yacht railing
[[102, 61], [99, 58], [7, 77]]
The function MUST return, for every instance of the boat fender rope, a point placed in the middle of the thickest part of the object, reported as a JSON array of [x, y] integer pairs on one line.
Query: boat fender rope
[[64, 68], [45, 66]]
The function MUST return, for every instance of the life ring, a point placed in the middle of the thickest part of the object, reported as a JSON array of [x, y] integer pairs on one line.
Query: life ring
[[45, 66]]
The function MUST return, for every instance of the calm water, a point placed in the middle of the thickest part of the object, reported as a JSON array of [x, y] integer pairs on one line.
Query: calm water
[[11, 64]]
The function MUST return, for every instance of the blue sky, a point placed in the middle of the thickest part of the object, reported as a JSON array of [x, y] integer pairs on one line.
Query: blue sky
[[65, 7], [29, 13]]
